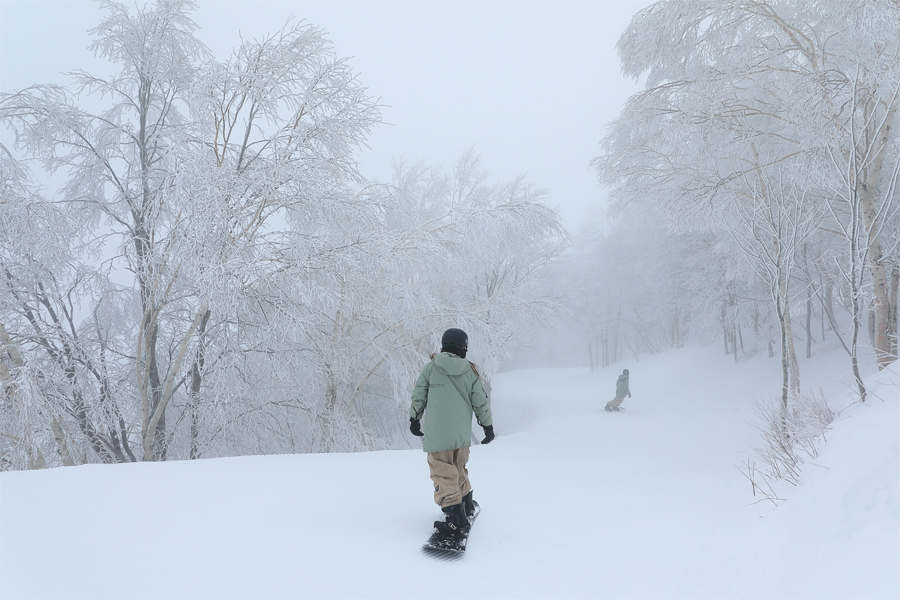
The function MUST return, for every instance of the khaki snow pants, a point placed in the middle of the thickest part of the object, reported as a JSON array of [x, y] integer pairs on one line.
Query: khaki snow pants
[[450, 476]]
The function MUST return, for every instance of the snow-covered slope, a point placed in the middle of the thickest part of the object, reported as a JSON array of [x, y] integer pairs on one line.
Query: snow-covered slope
[[576, 502]]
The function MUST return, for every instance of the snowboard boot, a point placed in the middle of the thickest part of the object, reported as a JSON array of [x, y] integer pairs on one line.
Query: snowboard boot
[[455, 523], [609, 408], [469, 504]]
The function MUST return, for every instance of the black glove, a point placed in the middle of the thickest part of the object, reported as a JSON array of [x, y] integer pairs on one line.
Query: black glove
[[415, 427], [488, 434]]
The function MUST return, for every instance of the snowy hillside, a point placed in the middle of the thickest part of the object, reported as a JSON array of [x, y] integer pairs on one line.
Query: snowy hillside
[[576, 502]]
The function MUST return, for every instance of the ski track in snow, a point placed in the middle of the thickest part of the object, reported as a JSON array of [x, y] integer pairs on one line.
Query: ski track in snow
[[576, 503]]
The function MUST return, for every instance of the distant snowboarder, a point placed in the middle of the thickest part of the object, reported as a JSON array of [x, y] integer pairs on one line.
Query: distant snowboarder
[[621, 391], [450, 389]]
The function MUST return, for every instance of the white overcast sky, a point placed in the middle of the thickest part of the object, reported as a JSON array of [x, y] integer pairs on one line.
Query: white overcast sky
[[529, 84]]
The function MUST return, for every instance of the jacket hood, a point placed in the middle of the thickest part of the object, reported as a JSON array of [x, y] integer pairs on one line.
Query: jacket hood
[[623, 376], [450, 364]]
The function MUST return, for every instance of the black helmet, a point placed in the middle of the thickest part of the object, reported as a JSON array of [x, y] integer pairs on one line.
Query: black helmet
[[625, 372], [455, 341]]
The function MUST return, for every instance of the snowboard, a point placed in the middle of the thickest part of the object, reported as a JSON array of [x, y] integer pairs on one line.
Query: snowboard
[[445, 546]]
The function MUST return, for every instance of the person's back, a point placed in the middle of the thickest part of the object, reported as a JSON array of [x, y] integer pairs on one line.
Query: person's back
[[452, 391], [448, 391], [622, 390]]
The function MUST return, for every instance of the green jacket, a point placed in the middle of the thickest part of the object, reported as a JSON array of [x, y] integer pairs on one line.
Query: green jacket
[[450, 390], [622, 386]]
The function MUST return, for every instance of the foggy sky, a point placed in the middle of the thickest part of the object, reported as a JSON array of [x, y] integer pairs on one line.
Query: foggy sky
[[529, 84]]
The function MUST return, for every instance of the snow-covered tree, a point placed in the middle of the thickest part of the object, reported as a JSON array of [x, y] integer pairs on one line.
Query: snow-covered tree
[[743, 95], [220, 278], [162, 190]]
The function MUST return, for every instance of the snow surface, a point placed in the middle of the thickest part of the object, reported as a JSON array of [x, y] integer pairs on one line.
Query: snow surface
[[576, 503]]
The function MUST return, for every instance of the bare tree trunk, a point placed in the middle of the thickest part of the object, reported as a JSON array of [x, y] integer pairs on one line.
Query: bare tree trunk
[[787, 332], [62, 445], [34, 458], [855, 268], [615, 346], [785, 372], [809, 320], [735, 328], [725, 331], [676, 330], [854, 361], [866, 188], [734, 342], [828, 314], [893, 315], [151, 426], [196, 382], [884, 334], [792, 351], [828, 305], [870, 326]]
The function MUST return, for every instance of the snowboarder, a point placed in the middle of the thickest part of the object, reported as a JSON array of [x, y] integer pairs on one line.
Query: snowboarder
[[621, 391], [450, 389]]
